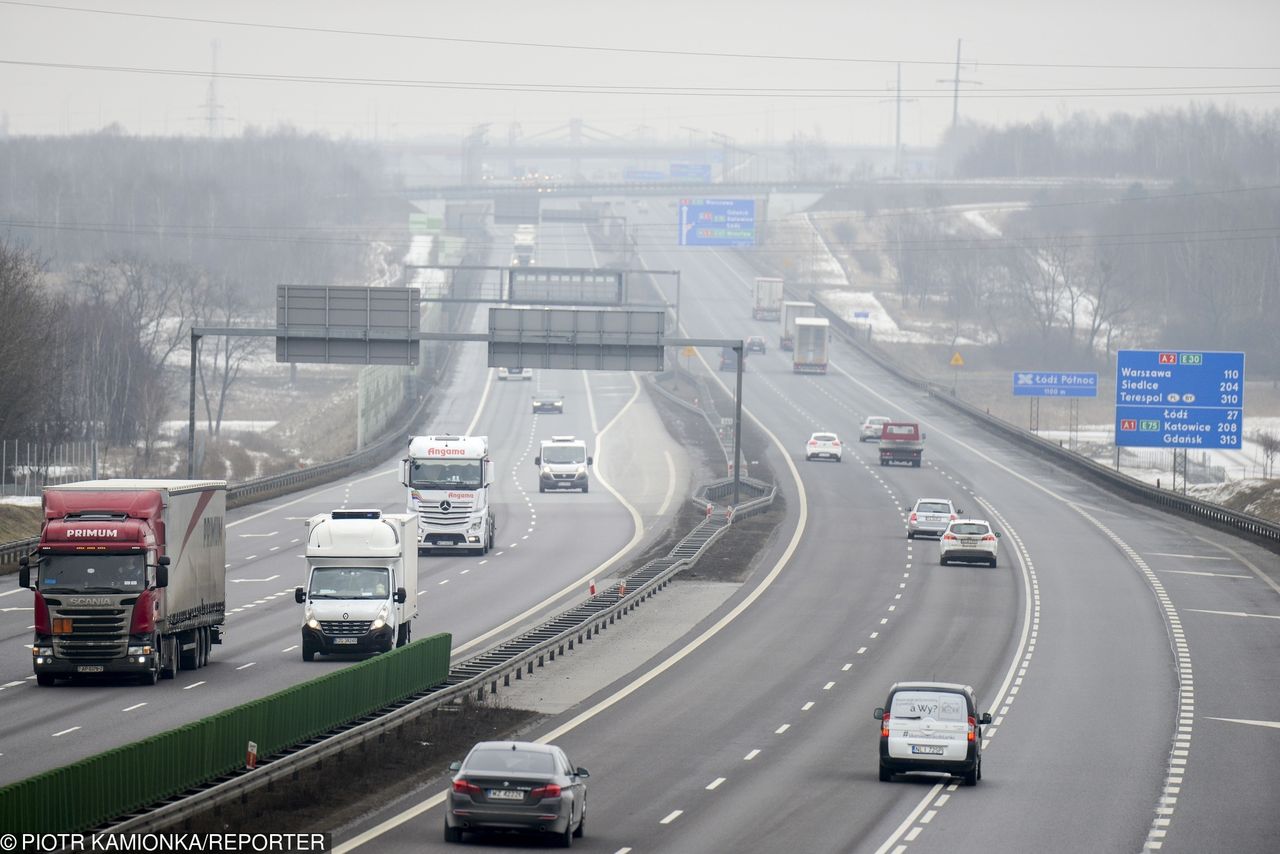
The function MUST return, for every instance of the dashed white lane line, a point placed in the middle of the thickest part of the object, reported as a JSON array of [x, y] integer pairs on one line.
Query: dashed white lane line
[[752, 755], [807, 706], [849, 664], [861, 650], [290, 648], [246, 666], [828, 686], [194, 685], [483, 562], [780, 730], [134, 706], [672, 816], [715, 784], [445, 581], [65, 731], [623, 851]]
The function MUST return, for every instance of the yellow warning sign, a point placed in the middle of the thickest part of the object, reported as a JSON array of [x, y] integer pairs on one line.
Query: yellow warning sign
[[957, 361], [687, 352]]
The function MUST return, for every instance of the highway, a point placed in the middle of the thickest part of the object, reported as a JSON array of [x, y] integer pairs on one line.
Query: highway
[[1127, 657], [541, 560]]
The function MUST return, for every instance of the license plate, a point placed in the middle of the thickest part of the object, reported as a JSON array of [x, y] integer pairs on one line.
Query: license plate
[[444, 542], [89, 668], [928, 749], [969, 542], [345, 640], [505, 795]]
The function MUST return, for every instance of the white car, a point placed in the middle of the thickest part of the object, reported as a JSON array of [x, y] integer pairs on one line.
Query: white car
[[871, 428], [930, 517], [515, 373], [826, 445], [933, 727], [968, 540]]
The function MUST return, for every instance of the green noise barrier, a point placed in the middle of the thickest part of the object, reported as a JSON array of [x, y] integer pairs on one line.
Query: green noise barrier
[[84, 794]]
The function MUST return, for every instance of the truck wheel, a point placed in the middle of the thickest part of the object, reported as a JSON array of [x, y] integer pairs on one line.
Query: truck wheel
[[188, 659], [151, 677], [915, 464], [44, 679], [168, 657]]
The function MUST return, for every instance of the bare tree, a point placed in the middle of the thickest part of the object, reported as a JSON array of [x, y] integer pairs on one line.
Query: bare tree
[[26, 315], [219, 302]]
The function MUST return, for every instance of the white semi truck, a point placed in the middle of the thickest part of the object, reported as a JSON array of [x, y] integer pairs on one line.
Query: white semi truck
[[768, 298], [810, 353], [362, 582], [790, 311], [448, 480]]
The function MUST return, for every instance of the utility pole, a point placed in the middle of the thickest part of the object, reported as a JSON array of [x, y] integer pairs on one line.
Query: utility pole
[[955, 87], [211, 105]]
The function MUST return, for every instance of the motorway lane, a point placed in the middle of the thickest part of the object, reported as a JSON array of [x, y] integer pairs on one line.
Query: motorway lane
[[1094, 683], [466, 595]]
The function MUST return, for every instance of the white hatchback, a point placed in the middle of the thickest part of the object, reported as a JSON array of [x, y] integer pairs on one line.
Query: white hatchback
[[871, 428], [826, 445], [968, 540]]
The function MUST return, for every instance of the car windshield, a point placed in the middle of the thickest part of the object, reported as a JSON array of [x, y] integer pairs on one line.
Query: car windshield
[[932, 507], [349, 582], [104, 573], [446, 474], [567, 455], [508, 761], [896, 430], [824, 437], [945, 706], [970, 529]]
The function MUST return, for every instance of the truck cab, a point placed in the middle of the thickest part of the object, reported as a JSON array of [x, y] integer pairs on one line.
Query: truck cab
[[448, 480], [362, 582], [562, 463]]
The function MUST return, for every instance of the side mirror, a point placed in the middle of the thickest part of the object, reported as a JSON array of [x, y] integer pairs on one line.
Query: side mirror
[[537, 461], [24, 574], [404, 472], [879, 713], [455, 766], [582, 772], [401, 595], [959, 511], [162, 560], [986, 718], [24, 560], [299, 595], [590, 461], [162, 574], [997, 535]]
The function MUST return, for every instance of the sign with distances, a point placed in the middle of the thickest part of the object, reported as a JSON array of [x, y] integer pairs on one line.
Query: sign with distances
[[1179, 399], [717, 222], [1054, 384]]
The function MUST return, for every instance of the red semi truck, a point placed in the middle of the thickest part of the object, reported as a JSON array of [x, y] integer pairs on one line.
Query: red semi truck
[[129, 578]]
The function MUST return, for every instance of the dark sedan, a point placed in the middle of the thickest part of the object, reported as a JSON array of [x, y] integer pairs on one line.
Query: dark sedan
[[517, 786]]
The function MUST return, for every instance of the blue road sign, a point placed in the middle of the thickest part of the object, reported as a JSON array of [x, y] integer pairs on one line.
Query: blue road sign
[[862, 315], [691, 172], [717, 222], [1179, 399], [1054, 384]]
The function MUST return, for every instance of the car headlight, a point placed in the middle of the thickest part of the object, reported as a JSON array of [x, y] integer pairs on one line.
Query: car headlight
[[380, 620], [582, 469], [42, 650], [138, 650], [310, 616]]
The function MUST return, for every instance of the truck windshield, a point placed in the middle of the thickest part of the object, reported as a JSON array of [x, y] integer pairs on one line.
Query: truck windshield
[[446, 474], [563, 456], [349, 582], [105, 573]]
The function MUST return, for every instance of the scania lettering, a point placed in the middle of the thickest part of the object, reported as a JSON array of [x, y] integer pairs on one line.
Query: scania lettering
[[362, 582], [448, 480], [138, 591]]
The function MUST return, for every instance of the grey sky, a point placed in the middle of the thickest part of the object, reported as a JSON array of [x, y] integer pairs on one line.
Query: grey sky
[[42, 100]]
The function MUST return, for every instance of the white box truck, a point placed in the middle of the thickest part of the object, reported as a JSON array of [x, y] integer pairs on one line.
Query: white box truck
[[790, 311], [448, 480], [129, 577], [362, 582], [810, 353], [768, 298]]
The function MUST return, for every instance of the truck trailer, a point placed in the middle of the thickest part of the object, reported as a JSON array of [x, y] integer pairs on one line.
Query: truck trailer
[[768, 298], [129, 578], [362, 582], [448, 480], [790, 311], [811, 341]]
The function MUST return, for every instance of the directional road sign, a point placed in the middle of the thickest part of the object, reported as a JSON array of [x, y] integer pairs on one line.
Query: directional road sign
[[717, 222], [1179, 399], [691, 172], [1054, 384]]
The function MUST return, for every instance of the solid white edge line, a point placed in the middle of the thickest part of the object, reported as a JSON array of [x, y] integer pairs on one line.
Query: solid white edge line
[[671, 483], [765, 583], [910, 819]]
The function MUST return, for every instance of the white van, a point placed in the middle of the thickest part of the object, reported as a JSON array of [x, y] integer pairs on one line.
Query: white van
[[931, 726], [362, 582], [562, 463]]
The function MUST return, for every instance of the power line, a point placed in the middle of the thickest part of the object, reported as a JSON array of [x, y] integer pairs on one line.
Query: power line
[[623, 50], [672, 91]]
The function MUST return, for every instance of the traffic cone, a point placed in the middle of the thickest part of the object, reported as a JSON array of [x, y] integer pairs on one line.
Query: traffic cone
[[622, 589]]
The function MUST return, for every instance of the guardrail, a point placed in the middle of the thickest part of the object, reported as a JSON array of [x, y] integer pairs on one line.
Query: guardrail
[[1215, 515], [480, 674]]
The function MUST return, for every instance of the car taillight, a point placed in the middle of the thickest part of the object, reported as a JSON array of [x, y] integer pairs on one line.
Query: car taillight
[[989, 538], [949, 537], [913, 516], [954, 517], [884, 726], [813, 442], [144, 613], [43, 625], [836, 443], [549, 791], [973, 725], [466, 787]]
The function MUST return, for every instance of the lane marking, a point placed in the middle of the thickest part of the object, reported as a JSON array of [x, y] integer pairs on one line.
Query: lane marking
[[1235, 614], [194, 685], [290, 648], [1209, 574], [1272, 724], [134, 706], [752, 755], [828, 686], [671, 483], [246, 666], [807, 706], [1188, 557], [715, 784], [780, 730], [65, 731], [672, 816]]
